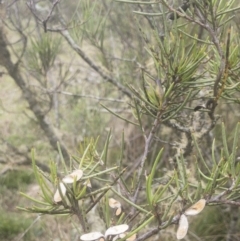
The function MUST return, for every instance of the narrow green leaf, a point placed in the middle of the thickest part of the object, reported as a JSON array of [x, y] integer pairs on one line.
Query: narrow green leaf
[[62, 159], [84, 155], [82, 192], [234, 149], [213, 152], [129, 202], [149, 190], [179, 107], [170, 205], [151, 176], [35, 200], [99, 173], [120, 117], [161, 191], [169, 90], [224, 140], [200, 154], [198, 192], [104, 155]]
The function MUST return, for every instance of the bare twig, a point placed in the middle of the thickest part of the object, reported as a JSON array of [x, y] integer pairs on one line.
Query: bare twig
[[182, 15], [49, 15]]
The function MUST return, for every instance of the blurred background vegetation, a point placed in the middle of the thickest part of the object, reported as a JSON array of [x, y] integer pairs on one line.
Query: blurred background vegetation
[[73, 91]]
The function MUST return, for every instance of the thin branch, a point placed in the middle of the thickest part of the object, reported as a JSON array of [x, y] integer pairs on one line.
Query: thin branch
[[65, 33], [218, 197], [148, 234], [49, 15], [93, 65], [182, 15], [148, 141], [14, 72], [88, 96]]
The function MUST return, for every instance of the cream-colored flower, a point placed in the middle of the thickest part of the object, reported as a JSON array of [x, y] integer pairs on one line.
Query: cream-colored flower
[[77, 175], [182, 227], [57, 197], [196, 208], [113, 203]]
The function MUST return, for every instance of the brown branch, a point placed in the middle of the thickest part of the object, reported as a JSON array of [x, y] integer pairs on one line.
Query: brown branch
[[65, 33], [92, 64], [181, 14], [148, 234], [218, 197], [234, 203], [14, 72], [183, 8], [49, 15]]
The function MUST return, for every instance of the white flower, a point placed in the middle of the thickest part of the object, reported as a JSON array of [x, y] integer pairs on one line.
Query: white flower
[[183, 222], [77, 175], [182, 227], [115, 230], [57, 197], [115, 204], [112, 231], [196, 208], [91, 236]]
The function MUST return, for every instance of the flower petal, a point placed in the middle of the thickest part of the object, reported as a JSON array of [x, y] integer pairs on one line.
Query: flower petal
[[118, 211], [91, 236], [57, 197], [113, 203], [196, 208], [182, 227], [115, 230], [77, 174]]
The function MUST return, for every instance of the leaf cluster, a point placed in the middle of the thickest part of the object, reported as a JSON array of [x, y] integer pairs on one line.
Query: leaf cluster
[[42, 53]]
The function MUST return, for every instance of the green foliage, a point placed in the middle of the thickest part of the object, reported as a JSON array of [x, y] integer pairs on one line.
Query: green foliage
[[16, 179], [188, 69], [216, 182], [12, 225], [209, 227], [42, 53], [90, 163]]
